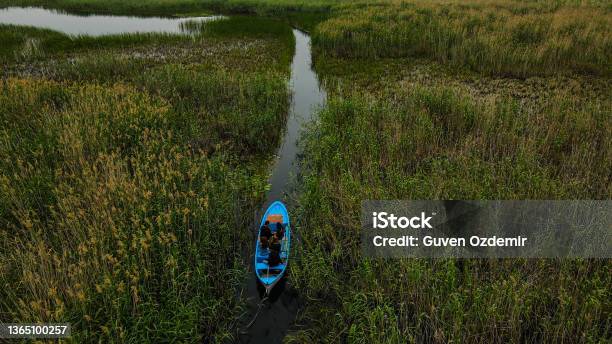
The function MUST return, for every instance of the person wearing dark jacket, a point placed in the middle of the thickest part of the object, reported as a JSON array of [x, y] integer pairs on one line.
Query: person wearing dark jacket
[[264, 234], [274, 258], [275, 248], [264, 241], [280, 231], [265, 230], [275, 244]]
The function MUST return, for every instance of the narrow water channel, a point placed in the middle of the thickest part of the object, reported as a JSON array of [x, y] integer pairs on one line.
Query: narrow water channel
[[307, 96], [279, 312]]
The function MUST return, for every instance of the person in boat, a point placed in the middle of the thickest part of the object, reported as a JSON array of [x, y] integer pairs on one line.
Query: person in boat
[[274, 258], [265, 234], [264, 241], [280, 231], [275, 244], [275, 247]]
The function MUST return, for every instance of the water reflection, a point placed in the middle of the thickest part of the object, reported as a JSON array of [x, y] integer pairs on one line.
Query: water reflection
[[307, 98], [99, 25]]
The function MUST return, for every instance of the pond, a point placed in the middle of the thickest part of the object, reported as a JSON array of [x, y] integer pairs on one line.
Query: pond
[[98, 25]]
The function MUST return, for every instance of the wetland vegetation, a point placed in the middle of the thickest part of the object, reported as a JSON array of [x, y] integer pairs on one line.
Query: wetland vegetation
[[454, 101], [128, 162], [126, 169], [412, 141]]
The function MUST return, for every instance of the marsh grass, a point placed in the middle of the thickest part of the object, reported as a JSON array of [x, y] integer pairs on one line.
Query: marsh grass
[[146, 219], [236, 109], [503, 37], [240, 27], [24, 44], [226, 44], [439, 143], [422, 127], [144, 201], [128, 185], [123, 181], [389, 132], [507, 38]]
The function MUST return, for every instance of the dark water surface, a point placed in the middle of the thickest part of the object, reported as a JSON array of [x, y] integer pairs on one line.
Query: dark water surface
[[307, 98], [278, 313], [96, 25]]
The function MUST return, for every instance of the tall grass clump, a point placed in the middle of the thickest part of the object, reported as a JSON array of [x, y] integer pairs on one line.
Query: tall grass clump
[[438, 143], [240, 27], [25, 44], [244, 112], [505, 38], [123, 212]]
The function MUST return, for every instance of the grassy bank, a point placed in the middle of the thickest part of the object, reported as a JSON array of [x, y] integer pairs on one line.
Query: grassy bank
[[27, 44], [126, 196], [508, 38], [435, 144], [412, 129]]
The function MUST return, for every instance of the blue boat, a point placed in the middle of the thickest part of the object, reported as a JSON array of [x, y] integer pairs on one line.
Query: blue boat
[[266, 274]]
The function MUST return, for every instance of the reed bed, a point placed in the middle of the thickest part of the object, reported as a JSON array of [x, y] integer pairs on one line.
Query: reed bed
[[123, 181], [505, 38], [27, 44], [439, 143], [389, 132], [127, 197]]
